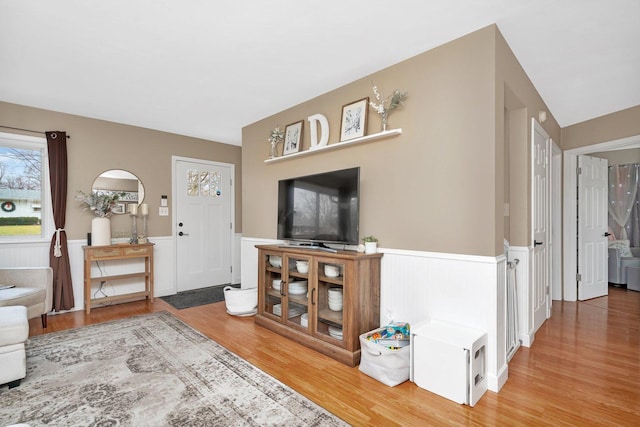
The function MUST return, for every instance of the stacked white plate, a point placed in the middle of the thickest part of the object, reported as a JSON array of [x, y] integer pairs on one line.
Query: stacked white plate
[[335, 332], [276, 284], [304, 320], [335, 299], [298, 288], [293, 311]]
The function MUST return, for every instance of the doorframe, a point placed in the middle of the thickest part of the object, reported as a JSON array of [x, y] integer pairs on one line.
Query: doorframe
[[556, 222], [570, 207], [174, 206]]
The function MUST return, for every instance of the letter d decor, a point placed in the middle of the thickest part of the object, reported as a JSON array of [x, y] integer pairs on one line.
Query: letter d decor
[[313, 129]]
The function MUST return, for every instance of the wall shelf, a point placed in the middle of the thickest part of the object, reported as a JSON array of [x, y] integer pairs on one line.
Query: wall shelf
[[368, 138]]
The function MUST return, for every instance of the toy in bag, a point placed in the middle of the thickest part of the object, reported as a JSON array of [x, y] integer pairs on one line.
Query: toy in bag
[[392, 336]]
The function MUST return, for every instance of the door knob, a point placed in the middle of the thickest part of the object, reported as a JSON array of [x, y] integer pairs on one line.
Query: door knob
[[536, 243], [179, 224], [607, 234], [182, 234]]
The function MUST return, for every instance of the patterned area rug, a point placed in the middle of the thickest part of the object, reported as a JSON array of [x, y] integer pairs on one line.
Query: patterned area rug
[[196, 297], [150, 370]]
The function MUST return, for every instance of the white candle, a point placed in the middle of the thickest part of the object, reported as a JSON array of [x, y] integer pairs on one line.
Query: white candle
[[144, 209], [133, 209]]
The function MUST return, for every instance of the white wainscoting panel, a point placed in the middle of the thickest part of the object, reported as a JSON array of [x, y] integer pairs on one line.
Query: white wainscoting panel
[[236, 259], [249, 258], [37, 254], [32, 254], [465, 290], [524, 292], [164, 266]]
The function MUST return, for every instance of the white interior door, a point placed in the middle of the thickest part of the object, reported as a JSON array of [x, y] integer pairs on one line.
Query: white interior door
[[203, 225], [540, 298], [593, 275]]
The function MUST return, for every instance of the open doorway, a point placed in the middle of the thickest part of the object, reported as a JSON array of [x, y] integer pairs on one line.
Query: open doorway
[[570, 252]]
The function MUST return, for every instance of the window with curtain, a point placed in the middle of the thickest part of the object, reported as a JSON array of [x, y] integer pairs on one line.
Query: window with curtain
[[624, 201], [25, 208]]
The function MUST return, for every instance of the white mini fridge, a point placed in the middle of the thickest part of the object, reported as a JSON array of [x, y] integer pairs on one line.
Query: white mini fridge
[[449, 360]]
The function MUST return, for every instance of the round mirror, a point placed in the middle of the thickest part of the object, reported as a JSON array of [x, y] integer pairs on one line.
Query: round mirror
[[120, 181]]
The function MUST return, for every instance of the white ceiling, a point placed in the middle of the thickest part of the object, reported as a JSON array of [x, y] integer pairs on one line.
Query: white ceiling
[[207, 68]]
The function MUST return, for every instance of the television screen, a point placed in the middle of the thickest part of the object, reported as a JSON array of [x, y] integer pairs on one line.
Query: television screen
[[320, 208]]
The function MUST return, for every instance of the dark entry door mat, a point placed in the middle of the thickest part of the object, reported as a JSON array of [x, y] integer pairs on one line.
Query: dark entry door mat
[[196, 297]]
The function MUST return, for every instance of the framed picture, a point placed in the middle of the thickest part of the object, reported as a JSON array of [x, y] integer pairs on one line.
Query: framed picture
[[119, 208], [354, 120], [292, 138]]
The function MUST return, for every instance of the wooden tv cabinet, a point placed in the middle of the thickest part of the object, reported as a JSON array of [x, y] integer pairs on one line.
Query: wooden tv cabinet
[[330, 328]]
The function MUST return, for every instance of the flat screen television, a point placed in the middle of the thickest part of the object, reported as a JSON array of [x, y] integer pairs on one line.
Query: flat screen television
[[320, 208]]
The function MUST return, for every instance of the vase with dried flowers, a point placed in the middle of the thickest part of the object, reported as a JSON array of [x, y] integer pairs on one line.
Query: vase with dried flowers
[[384, 106], [101, 205], [275, 137]]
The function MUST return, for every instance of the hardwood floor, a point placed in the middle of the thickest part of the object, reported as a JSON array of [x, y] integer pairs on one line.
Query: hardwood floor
[[582, 369]]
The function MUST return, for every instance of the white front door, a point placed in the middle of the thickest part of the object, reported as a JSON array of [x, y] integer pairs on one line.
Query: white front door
[[203, 225], [539, 297], [593, 275]]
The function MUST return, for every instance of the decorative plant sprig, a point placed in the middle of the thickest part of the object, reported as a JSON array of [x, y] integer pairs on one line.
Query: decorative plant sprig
[[275, 137], [384, 106], [100, 204]]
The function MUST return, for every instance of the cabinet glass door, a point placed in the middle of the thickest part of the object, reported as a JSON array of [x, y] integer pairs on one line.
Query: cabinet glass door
[[273, 290], [329, 299], [299, 269]]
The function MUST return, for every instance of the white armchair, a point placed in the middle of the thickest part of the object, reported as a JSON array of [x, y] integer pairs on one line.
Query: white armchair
[[621, 256], [33, 288]]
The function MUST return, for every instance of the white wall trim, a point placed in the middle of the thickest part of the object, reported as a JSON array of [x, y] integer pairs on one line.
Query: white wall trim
[[440, 255], [570, 228], [496, 382], [556, 223]]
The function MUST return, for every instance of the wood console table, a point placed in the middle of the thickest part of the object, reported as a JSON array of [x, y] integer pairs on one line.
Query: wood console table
[[115, 252]]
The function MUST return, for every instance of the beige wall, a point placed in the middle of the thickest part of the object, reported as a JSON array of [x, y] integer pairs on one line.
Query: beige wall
[[97, 145], [437, 187], [614, 126], [518, 101], [620, 157]]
